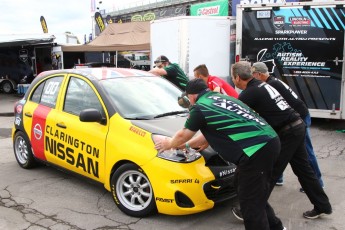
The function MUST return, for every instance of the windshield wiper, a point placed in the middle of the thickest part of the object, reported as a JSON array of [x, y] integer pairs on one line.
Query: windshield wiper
[[138, 118], [170, 113]]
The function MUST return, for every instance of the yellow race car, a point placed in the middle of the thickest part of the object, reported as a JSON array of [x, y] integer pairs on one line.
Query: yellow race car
[[102, 123]]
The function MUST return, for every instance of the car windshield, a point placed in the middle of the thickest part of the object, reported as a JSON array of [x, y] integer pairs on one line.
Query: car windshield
[[143, 97]]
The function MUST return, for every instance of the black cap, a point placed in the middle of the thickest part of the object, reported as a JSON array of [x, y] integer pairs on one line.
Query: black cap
[[195, 86], [161, 59]]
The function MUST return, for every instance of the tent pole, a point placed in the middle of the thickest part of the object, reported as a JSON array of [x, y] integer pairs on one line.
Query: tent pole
[[115, 59]]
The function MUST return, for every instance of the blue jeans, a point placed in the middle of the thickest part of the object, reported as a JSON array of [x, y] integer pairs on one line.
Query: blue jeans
[[311, 155]]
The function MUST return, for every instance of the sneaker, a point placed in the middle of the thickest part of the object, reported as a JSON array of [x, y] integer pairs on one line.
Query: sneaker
[[313, 214], [279, 183], [284, 228], [237, 213]]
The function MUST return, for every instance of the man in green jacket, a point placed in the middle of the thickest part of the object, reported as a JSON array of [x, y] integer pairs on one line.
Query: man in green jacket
[[170, 71]]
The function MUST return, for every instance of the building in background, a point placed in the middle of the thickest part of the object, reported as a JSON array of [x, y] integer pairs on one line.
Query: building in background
[[149, 12], [160, 9]]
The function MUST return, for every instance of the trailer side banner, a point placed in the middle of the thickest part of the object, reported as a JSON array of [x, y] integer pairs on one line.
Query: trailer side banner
[[302, 45]]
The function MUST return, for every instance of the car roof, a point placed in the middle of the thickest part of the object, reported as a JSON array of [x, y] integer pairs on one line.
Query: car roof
[[101, 73], [94, 64]]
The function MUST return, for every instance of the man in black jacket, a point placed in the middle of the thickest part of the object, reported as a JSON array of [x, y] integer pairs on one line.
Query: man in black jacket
[[260, 72], [270, 104]]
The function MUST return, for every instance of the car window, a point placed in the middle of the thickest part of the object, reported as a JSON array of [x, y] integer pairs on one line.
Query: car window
[[36, 96], [80, 96], [142, 97], [47, 92]]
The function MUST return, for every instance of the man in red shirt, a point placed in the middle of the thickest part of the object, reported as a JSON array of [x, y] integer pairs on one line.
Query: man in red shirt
[[215, 84]]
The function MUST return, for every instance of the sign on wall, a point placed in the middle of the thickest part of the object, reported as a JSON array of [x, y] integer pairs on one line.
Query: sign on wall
[[215, 8]]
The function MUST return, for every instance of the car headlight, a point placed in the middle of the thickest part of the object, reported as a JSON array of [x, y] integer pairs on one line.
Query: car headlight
[[177, 155]]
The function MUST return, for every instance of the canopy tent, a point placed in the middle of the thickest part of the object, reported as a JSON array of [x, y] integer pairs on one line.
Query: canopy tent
[[117, 37]]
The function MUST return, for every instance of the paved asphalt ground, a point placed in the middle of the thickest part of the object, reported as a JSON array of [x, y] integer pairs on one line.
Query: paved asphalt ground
[[46, 198]]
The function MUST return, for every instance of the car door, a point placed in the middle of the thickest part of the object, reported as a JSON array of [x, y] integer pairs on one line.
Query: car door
[[39, 110], [76, 145]]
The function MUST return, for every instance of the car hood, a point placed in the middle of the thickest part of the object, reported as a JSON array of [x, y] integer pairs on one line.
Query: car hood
[[167, 126]]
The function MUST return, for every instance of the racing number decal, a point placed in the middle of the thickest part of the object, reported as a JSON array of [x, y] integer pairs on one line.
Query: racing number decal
[[275, 95], [52, 87], [47, 103], [38, 130]]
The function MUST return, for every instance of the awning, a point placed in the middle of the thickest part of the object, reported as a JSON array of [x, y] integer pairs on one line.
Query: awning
[[117, 37], [25, 39]]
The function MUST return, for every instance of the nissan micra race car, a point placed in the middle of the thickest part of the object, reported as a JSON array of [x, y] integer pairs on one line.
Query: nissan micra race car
[[102, 123]]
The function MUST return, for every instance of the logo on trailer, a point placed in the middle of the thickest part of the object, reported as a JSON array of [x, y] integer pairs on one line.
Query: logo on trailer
[[300, 21], [278, 21], [23, 55], [38, 131]]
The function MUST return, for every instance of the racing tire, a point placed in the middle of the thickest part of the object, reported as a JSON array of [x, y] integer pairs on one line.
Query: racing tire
[[132, 191], [22, 151], [7, 87]]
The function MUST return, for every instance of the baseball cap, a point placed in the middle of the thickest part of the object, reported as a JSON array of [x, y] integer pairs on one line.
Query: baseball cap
[[195, 86], [259, 67], [161, 59]]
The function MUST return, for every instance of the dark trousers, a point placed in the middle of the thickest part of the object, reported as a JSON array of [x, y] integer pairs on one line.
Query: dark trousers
[[252, 180], [311, 155], [293, 151]]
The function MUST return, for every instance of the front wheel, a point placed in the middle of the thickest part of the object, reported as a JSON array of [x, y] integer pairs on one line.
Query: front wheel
[[22, 151], [132, 191]]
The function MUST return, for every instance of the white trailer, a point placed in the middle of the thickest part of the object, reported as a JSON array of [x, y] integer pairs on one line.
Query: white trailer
[[193, 40], [303, 44]]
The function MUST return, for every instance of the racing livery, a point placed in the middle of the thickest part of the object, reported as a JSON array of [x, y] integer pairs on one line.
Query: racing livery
[[102, 123]]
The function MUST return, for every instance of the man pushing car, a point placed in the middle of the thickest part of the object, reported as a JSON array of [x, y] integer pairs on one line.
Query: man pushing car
[[240, 136]]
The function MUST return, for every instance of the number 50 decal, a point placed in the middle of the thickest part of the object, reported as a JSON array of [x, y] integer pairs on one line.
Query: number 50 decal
[[275, 95]]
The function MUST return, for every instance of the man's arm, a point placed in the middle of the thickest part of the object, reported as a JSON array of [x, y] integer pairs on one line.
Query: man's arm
[[199, 142], [217, 85], [217, 89], [181, 137], [158, 71]]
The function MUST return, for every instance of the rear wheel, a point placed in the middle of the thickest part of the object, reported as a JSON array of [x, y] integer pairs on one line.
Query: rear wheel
[[7, 87], [132, 191], [22, 151]]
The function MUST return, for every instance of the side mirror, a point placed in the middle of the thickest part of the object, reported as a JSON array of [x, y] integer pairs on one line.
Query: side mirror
[[91, 115], [183, 101]]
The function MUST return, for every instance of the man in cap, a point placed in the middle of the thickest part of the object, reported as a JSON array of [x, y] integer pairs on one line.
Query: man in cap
[[214, 83], [170, 71], [260, 71], [240, 136], [269, 104]]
